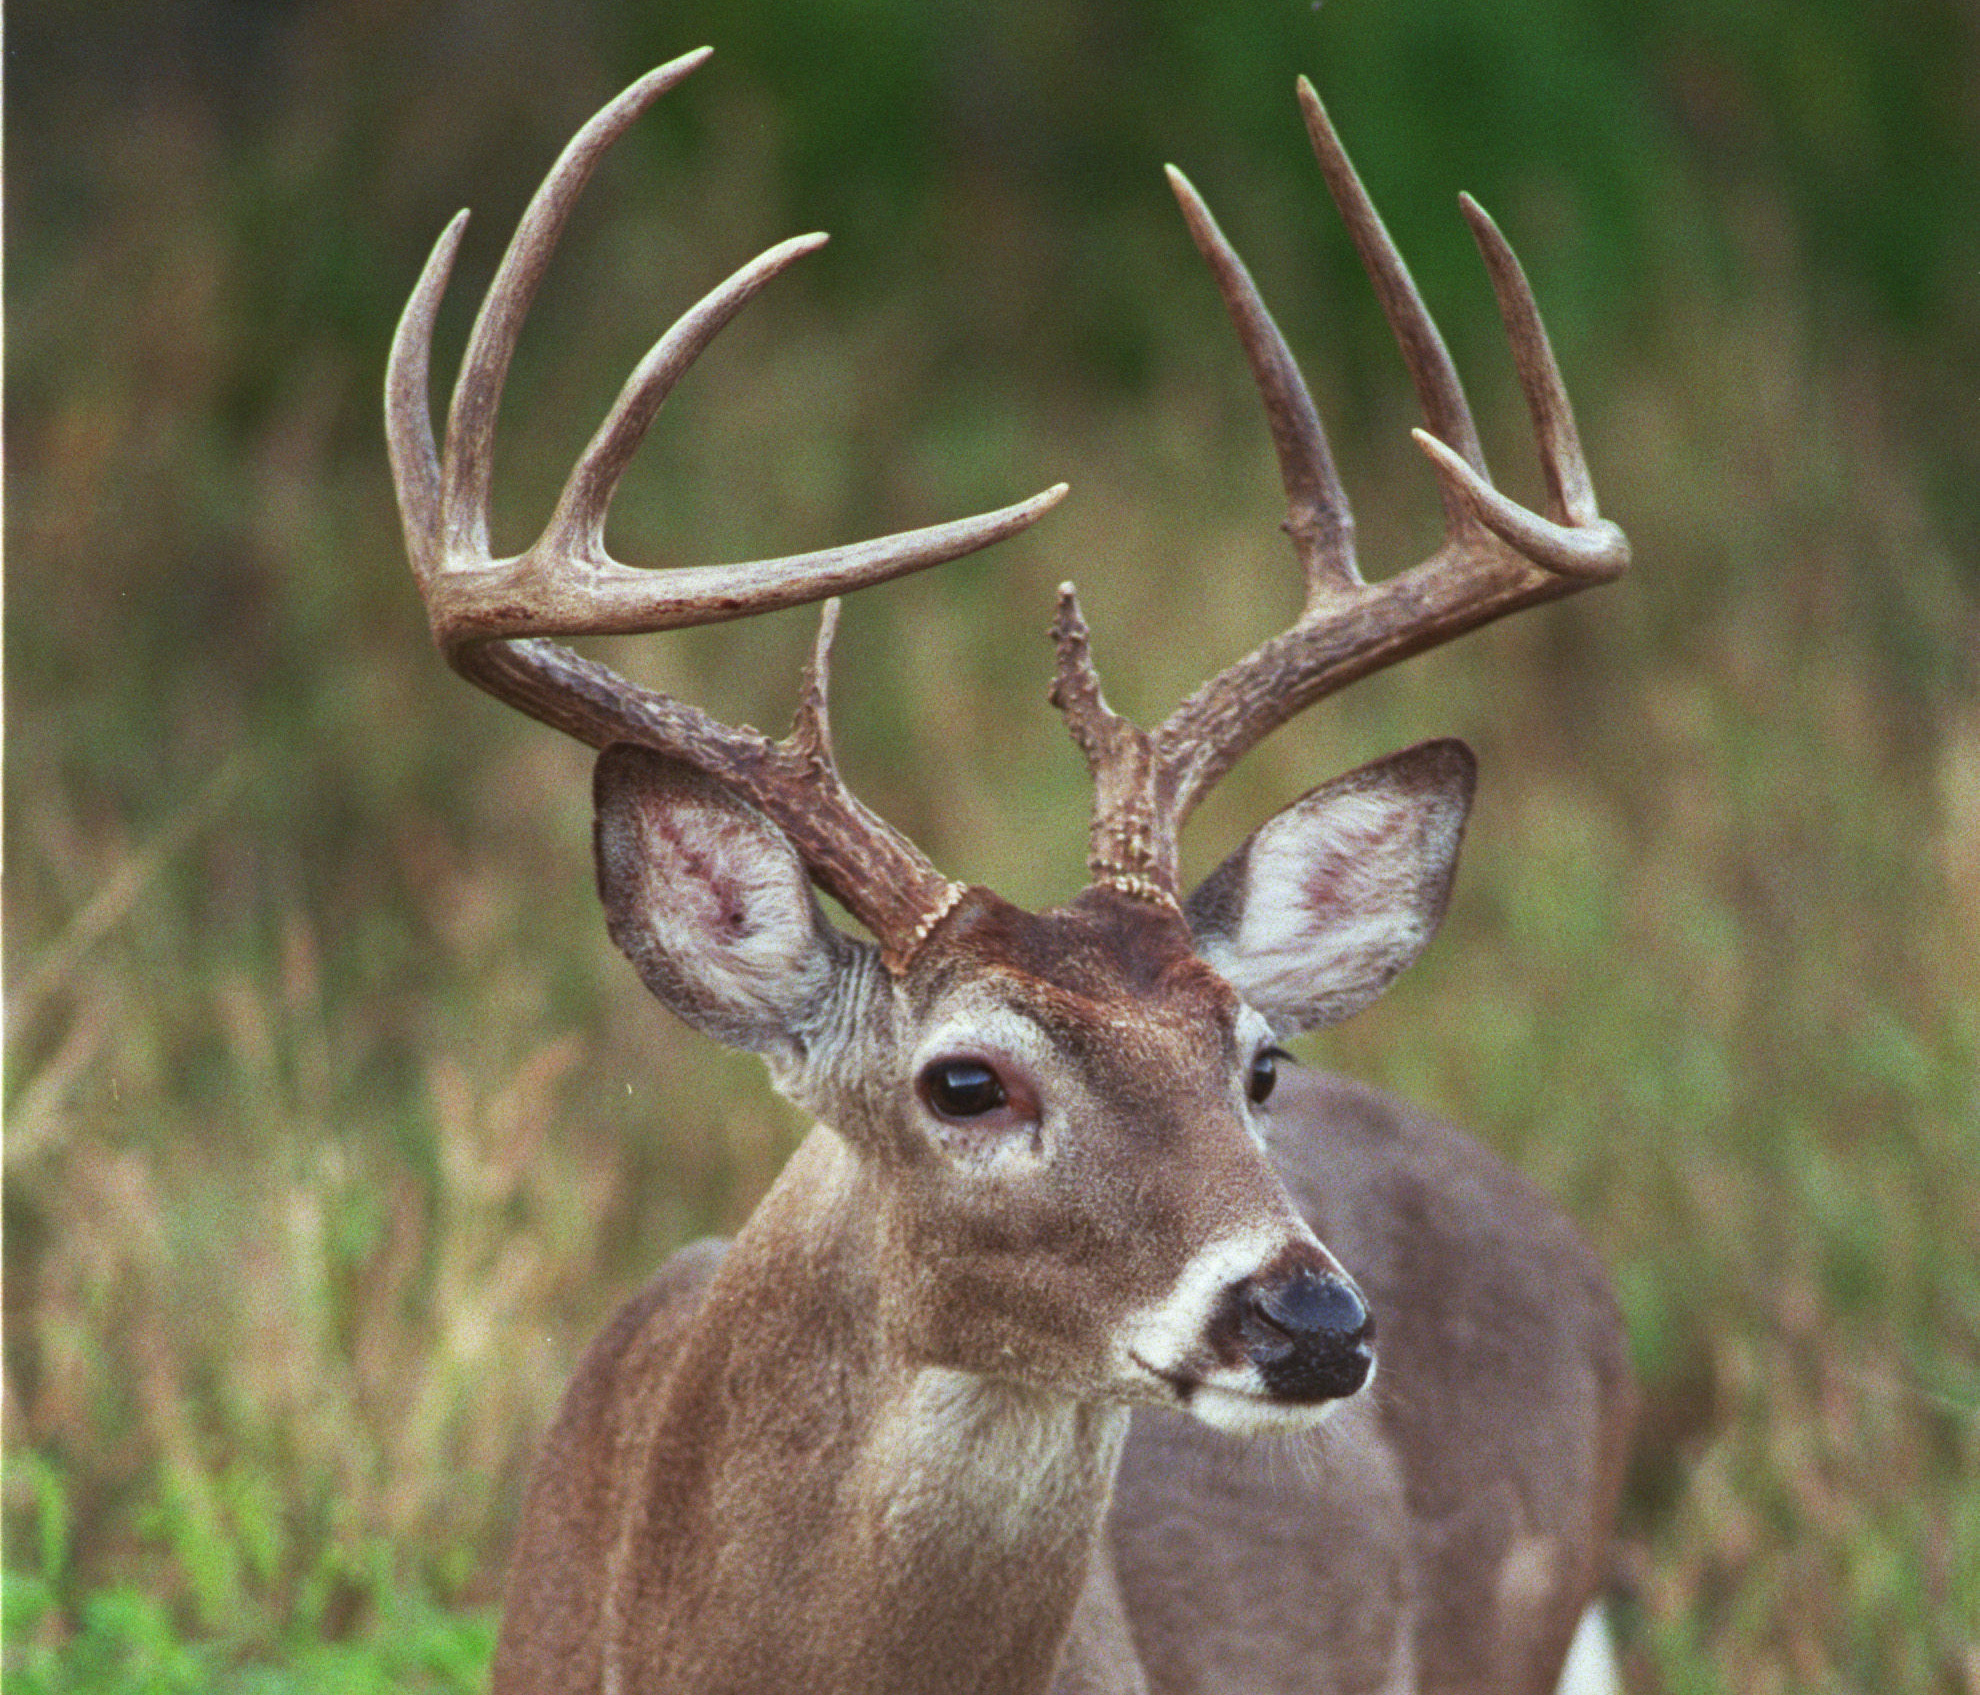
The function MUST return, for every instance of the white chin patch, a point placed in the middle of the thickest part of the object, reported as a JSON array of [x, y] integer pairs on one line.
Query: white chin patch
[[1236, 1403]]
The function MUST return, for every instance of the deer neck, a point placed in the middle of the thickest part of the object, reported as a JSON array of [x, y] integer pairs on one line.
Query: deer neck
[[824, 1511]]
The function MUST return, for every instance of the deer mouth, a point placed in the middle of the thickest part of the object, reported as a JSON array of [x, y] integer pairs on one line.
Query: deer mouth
[[1251, 1398], [1180, 1383]]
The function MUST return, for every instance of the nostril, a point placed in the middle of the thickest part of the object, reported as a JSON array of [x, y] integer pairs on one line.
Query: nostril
[[1312, 1305]]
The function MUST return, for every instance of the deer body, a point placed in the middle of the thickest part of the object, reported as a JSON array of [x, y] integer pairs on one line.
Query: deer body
[[976, 1487], [1431, 1535], [1036, 1370]]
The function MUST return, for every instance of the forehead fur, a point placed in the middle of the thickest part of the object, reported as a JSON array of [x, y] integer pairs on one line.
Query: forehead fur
[[1104, 947]]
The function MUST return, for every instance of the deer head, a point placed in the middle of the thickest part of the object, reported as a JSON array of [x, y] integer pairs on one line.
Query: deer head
[[1051, 1125]]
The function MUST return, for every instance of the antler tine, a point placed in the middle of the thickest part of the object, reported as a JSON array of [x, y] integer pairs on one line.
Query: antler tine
[[1571, 494], [468, 468], [625, 600], [1435, 378], [1573, 540], [1496, 556], [1318, 518], [578, 525], [408, 420], [855, 854]]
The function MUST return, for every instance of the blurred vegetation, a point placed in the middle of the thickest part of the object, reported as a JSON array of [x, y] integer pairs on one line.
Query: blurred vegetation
[[334, 1125]]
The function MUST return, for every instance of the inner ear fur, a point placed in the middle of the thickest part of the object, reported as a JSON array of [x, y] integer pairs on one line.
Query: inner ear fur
[[1324, 903], [709, 900]]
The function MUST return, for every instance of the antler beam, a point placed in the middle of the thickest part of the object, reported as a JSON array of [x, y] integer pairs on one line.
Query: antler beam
[[488, 615], [1496, 556]]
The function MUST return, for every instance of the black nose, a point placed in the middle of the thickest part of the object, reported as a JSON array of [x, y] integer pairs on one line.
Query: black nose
[[1310, 1334]]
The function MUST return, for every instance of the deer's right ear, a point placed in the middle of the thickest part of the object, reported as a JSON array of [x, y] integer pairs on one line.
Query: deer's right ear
[[710, 901]]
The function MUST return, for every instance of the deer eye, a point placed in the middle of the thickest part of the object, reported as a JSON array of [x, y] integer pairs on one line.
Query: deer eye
[[961, 1088], [1264, 1075]]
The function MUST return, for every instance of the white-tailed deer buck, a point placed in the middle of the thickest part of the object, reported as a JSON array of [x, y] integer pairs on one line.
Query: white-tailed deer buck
[[1032, 1370]]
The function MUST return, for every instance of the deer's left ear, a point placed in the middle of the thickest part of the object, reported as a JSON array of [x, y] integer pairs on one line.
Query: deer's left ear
[[1327, 901]]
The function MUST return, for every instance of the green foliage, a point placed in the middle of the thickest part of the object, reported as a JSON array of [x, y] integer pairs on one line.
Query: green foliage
[[351, 1631], [128, 1643]]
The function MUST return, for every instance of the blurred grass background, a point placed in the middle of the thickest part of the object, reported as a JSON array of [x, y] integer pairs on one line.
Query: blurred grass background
[[334, 1125]]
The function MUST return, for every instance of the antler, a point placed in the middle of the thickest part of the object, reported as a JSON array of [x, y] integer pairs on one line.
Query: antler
[[1496, 556], [488, 614]]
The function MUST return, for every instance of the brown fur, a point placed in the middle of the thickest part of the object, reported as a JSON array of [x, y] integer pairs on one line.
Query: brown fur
[[1457, 1514]]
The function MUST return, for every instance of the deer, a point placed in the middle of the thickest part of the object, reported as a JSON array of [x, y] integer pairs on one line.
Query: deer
[[1050, 1359]]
